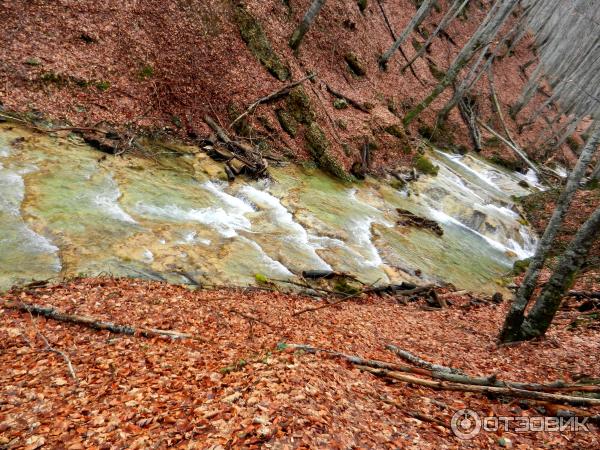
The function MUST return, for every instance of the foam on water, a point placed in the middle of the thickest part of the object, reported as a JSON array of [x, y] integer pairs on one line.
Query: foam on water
[[281, 218], [274, 268], [224, 222], [12, 193], [147, 256], [108, 201]]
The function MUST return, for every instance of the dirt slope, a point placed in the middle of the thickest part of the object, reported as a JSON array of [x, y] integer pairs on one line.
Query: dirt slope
[[163, 65]]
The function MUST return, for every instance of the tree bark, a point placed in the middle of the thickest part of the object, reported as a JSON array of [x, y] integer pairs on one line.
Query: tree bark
[[415, 22], [596, 171], [514, 319], [306, 23], [540, 317]]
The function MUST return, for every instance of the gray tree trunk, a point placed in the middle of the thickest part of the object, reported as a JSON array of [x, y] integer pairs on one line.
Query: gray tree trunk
[[307, 21], [484, 34], [596, 171], [450, 15], [514, 319], [422, 12], [543, 311]]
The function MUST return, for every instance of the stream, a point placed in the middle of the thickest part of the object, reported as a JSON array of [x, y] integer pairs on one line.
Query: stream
[[68, 210]]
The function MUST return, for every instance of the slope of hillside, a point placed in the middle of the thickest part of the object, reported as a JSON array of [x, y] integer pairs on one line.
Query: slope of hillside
[[163, 65]]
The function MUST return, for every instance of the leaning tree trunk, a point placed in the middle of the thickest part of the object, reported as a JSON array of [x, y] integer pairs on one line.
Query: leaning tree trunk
[[484, 34], [514, 319], [543, 311], [596, 171], [304, 26], [452, 13], [415, 22]]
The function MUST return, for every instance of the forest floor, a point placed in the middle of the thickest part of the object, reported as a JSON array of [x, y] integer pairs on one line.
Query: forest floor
[[237, 386]]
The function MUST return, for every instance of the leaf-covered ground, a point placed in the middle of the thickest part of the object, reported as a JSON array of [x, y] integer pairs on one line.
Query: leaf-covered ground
[[236, 388]]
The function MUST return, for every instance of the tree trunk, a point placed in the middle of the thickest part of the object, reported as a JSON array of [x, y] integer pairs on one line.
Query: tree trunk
[[596, 171], [304, 26], [484, 34], [415, 22], [540, 317], [514, 319]]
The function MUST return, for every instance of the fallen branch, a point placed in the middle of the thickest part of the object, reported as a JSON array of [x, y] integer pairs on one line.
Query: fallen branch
[[582, 294], [353, 359], [459, 378], [326, 305], [413, 359], [51, 349], [350, 101], [399, 290], [272, 97], [517, 150], [90, 322], [507, 391]]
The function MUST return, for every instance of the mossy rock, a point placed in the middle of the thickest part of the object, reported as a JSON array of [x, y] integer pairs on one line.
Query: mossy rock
[[357, 67], [287, 122], [521, 266], [398, 184], [255, 38], [319, 148], [423, 165], [340, 103], [396, 131], [299, 106], [362, 5], [341, 124]]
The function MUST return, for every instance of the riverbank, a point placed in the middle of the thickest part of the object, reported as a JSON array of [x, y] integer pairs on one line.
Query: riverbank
[[237, 386]]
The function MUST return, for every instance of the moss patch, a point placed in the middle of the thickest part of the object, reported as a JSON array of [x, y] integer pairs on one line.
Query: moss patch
[[299, 106], [255, 38], [423, 165], [287, 122], [340, 103], [319, 146], [357, 67], [362, 5], [396, 131]]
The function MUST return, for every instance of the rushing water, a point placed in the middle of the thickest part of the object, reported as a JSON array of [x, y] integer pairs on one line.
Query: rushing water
[[66, 210]]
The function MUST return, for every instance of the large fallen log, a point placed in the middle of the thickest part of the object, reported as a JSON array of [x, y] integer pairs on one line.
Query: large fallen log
[[507, 391], [91, 322]]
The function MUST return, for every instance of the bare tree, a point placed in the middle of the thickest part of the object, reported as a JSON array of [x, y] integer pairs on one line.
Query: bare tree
[[417, 19], [307, 21], [450, 15], [543, 311], [485, 34], [515, 317]]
